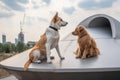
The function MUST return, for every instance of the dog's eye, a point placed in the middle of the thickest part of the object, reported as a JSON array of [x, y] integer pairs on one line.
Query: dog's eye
[[61, 20], [81, 30]]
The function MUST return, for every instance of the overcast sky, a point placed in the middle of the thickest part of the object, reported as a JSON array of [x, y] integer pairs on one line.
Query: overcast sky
[[38, 14]]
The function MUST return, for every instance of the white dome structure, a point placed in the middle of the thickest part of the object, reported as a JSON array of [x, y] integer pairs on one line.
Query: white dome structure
[[104, 21]]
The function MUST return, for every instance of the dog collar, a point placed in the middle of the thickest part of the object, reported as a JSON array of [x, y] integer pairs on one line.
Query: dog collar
[[53, 28]]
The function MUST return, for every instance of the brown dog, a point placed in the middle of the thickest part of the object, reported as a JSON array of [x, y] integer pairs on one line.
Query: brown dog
[[87, 45]]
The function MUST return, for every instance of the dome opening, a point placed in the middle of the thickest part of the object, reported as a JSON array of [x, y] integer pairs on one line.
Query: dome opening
[[101, 24]]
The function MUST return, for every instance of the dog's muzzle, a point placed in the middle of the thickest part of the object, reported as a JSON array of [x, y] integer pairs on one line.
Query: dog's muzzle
[[64, 23]]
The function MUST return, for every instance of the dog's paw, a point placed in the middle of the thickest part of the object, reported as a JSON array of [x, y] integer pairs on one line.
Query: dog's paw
[[38, 61], [74, 52], [62, 58], [83, 58], [49, 62], [51, 57], [77, 57]]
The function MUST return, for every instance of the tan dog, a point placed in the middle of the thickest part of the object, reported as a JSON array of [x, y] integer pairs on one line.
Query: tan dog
[[87, 45], [48, 41]]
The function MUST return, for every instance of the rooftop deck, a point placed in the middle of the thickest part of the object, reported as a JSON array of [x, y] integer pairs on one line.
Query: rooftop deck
[[105, 66]]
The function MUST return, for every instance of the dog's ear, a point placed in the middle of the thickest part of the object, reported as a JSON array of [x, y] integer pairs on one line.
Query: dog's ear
[[81, 29], [56, 14], [55, 18], [78, 29]]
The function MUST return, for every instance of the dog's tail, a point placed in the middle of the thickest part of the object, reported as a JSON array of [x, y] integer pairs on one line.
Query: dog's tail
[[27, 65]]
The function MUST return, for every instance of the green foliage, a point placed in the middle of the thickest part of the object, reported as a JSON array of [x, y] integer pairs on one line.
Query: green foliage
[[1, 47], [6, 48], [10, 48], [13, 48], [20, 47]]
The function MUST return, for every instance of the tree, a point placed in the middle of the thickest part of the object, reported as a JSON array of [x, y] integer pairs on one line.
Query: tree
[[10, 47], [26, 47], [13, 48], [6, 48], [1, 47], [20, 46]]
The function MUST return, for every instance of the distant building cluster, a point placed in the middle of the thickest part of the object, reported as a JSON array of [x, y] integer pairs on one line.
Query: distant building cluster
[[3, 38], [19, 39]]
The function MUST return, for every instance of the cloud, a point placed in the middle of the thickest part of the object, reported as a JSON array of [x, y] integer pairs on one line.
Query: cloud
[[42, 19], [47, 1], [23, 1], [5, 11], [29, 20], [95, 4], [41, 3], [37, 4], [69, 10], [3, 15], [32, 20], [15, 4]]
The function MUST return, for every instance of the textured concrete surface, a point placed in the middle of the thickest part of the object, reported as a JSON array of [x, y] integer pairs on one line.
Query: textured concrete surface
[[11, 77]]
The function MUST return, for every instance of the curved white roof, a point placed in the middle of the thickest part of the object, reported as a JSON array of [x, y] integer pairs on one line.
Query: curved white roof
[[103, 20]]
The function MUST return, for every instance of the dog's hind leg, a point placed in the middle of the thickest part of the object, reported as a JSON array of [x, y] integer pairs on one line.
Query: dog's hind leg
[[36, 54], [91, 51], [97, 51]]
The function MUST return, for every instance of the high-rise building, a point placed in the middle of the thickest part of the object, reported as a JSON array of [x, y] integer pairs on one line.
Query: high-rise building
[[3, 38], [16, 41], [21, 37]]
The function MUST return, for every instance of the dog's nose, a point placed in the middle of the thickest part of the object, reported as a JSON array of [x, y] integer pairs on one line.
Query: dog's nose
[[66, 22], [72, 32]]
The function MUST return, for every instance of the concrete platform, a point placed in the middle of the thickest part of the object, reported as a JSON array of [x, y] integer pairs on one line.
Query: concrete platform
[[11, 77], [104, 67]]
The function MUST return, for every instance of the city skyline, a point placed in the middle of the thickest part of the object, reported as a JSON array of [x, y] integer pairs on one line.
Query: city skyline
[[39, 13], [16, 40]]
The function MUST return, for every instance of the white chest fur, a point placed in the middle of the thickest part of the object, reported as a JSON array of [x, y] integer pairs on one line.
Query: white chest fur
[[52, 37]]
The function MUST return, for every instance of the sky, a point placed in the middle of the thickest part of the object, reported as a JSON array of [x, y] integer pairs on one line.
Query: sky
[[38, 14]]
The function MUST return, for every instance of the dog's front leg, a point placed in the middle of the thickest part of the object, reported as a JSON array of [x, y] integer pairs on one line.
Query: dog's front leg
[[58, 51], [84, 53], [48, 53], [78, 52]]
